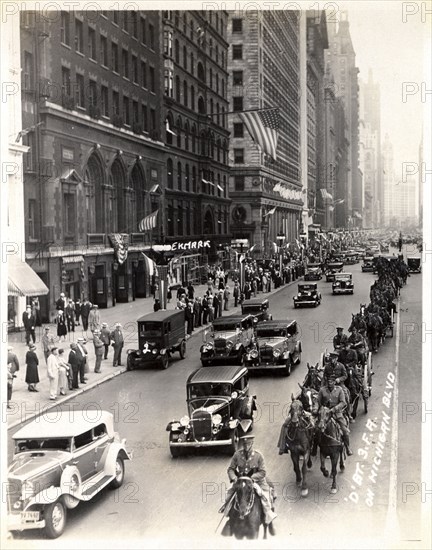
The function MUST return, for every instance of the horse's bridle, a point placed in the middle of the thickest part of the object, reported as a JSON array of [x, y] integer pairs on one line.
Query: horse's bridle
[[249, 504]]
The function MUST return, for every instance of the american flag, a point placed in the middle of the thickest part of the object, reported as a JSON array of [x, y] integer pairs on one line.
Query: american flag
[[263, 127], [149, 222], [120, 243]]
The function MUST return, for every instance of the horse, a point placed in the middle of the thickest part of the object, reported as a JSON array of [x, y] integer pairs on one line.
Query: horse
[[246, 515], [330, 444], [296, 435], [359, 322], [309, 399], [313, 377], [374, 330], [355, 385]]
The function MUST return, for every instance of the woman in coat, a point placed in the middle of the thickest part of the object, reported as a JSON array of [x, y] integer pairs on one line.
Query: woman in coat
[[61, 325], [32, 374]]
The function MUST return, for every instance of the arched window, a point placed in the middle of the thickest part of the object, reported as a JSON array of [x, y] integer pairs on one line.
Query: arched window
[[211, 108], [170, 176], [179, 131], [193, 138], [177, 51], [95, 177], [218, 148], [185, 57], [179, 176], [203, 144], [219, 185], [201, 72], [223, 87], [225, 150], [218, 114], [138, 184], [217, 82], [211, 78], [223, 117], [185, 93], [211, 47], [169, 125], [194, 179], [201, 106], [217, 54], [119, 206], [186, 138], [187, 183], [177, 90], [225, 194], [192, 98], [192, 63]]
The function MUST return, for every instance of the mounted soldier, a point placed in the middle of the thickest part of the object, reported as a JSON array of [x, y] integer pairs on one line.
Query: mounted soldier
[[339, 339]]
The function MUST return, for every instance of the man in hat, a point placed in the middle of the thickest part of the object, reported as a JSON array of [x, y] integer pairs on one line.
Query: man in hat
[[61, 302], [357, 342], [249, 462], [12, 368], [85, 312], [70, 315], [53, 373], [339, 338], [94, 318], [99, 349], [118, 342], [82, 354], [333, 397], [74, 361], [105, 338], [47, 343], [29, 322]]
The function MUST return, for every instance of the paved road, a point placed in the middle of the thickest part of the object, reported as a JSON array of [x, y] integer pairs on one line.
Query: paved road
[[173, 503]]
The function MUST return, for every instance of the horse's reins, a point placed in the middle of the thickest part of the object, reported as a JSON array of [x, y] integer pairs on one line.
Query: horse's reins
[[248, 506], [338, 441]]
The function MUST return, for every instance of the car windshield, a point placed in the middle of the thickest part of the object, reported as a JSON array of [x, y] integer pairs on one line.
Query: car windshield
[[225, 327], [271, 333], [151, 330], [51, 444], [251, 307], [209, 389], [306, 288]]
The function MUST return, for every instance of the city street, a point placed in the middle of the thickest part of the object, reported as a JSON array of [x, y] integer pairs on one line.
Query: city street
[[173, 502]]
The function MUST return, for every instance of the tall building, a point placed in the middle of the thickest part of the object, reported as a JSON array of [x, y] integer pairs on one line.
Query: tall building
[[370, 115], [388, 179], [263, 66], [369, 166], [341, 57], [196, 135]]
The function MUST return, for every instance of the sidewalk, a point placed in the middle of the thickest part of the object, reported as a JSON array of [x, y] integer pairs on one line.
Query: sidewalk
[[26, 405]]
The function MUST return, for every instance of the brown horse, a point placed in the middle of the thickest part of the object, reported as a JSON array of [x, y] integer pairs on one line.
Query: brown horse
[[296, 437], [330, 444], [246, 514]]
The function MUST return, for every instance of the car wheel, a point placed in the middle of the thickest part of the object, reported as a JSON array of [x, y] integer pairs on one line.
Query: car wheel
[[298, 358], [205, 362], [119, 473], [233, 446], [55, 516], [129, 364], [164, 361], [176, 452], [287, 370], [182, 349]]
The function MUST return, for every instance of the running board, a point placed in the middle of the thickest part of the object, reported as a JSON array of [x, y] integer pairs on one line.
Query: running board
[[94, 487]]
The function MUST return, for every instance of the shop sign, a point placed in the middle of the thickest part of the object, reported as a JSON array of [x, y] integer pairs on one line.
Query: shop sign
[[187, 245]]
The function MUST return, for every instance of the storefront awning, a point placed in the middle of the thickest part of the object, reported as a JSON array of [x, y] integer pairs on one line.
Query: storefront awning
[[22, 280], [72, 259]]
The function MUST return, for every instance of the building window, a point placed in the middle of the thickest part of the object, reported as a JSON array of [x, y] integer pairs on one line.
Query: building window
[[104, 51], [134, 17], [66, 83], [93, 99], [186, 138], [69, 214], [223, 91], [237, 51], [125, 63], [135, 69], [28, 71], [179, 131], [168, 83], [180, 220], [151, 37], [185, 58], [211, 79], [239, 183], [194, 179], [144, 117], [177, 51], [168, 43], [32, 219], [92, 43], [153, 119], [125, 20], [238, 156], [238, 129], [193, 138], [185, 93], [65, 28], [237, 78], [238, 103], [152, 80], [126, 114], [104, 101], [116, 17], [135, 113], [217, 83], [143, 74], [191, 31], [143, 31], [29, 158], [177, 89], [179, 176], [80, 92], [237, 25], [114, 57], [192, 98], [116, 103], [170, 178], [79, 36], [192, 63], [201, 72]]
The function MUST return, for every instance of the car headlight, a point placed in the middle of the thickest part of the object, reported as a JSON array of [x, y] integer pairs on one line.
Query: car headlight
[[27, 490], [229, 344], [184, 421], [154, 351], [254, 353], [208, 347], [217, 419], [276, 352], [309, 294], [337, 284]]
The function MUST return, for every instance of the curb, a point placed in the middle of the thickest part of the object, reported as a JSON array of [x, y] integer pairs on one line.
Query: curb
[[66, 398]]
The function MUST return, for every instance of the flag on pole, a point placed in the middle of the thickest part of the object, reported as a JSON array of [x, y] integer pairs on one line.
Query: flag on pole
[[252, 248], [150, 265], [263, 127], [271, 212], [168, 129], [149, 222]]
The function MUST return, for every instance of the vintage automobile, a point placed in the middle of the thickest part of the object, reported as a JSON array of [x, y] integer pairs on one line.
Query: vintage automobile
[[228, 340], [258, 307], [351, 257], [343, 283], [220, 410], [307, 295], [277, 346], [414, 264], [368, 264], [59, 461], [313, 272], [331, 269], [160, 334]]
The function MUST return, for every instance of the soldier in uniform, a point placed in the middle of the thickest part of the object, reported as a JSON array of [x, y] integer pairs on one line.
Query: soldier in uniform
[[339, 338], [358, 343], [348, 356], [332, 396], [249, 462], [333, 367]]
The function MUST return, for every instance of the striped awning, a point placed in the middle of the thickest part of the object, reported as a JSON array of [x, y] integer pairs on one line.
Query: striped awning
[[22, 280]]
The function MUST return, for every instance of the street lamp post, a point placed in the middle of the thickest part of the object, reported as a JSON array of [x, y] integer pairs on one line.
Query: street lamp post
[[280, 237]]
